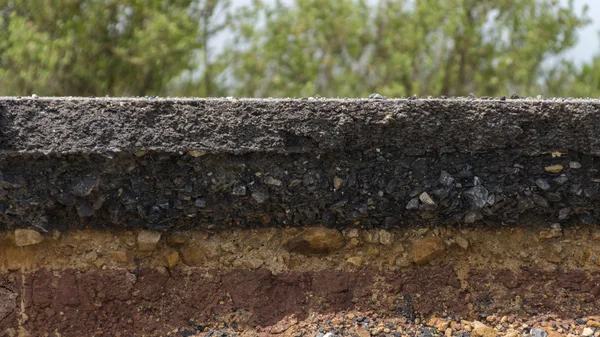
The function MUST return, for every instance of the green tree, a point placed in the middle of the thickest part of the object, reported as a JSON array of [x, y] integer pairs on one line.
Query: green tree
[[99, 47], [398, 47]]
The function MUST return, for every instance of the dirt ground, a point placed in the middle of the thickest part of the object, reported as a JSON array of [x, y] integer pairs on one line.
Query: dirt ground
[[244, 282]]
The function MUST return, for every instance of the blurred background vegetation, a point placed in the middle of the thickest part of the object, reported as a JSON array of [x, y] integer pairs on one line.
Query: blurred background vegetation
[[293, 48]]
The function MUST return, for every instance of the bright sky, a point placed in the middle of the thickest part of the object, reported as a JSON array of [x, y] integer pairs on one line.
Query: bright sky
[[589, 38]]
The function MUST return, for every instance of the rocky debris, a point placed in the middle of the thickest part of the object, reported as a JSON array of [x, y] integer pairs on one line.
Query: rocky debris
[[427, 249], [171, 259], [338, 182], [385, 237], [439, 323], [575, 165], [27, 237], [316, 240], [554, 168], [426, 199], [587, 332], [147, 240], [197, 153], [355, 260], [482, 330], [461, 241], [446, 179]]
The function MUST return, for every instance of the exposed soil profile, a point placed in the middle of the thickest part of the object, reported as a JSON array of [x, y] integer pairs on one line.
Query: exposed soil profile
[[247, 281], [299, 217]]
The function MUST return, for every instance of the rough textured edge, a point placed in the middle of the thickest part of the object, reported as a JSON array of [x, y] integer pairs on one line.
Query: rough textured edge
[[84, 125]]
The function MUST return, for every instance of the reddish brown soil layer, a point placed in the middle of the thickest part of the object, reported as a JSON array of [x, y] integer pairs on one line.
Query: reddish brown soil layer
[[148, 302]]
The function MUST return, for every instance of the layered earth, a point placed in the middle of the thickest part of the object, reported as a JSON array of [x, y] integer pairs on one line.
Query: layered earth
[[213, 217]]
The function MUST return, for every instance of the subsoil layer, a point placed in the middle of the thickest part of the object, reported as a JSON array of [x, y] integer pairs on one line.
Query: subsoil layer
[[245, 282]]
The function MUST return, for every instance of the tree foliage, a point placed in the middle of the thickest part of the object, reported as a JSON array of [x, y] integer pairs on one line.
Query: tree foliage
[[400, 48], [97, 47], [292, 48]]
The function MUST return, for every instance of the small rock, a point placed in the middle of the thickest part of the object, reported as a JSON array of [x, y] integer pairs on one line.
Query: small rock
[[484, 331], [575, 165], [260, 196], [554, 168], [316, 240], [593, 324], [543, 184], [27, 237], [426, 199], [439, 323], [371, 236], [338, 182], [536, 332], [427, 249], [462, 241], [587, 332], [473, 216], [171, 259], [351, 232], [355, 260], [196, 153], [239, 190], [385, 238], [272, 181], [478, 195], [82, 187], [148, 240], [564, 213], [413, 204], [446, 179]]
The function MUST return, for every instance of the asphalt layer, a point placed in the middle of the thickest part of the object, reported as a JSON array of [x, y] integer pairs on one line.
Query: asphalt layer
[[188, 163], [417, 126]]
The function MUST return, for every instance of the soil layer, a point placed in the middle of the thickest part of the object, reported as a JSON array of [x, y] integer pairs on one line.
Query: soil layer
[[97, 283]]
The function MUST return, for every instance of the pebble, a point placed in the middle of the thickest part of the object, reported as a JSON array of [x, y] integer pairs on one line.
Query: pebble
[[554, 168], [413, 204], [536, 332], [272, 181], [462, 241], [426, 199], [355, 260], [338, 182], [575, 165], [260, 196], [171, 259], [27, 237], [543, 184], [473, 216], [427, 249], [196, 153], [587, 332], [316, 240], [385, 238], [478, 195], [446, 179], [239, 190], [148, 240]]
